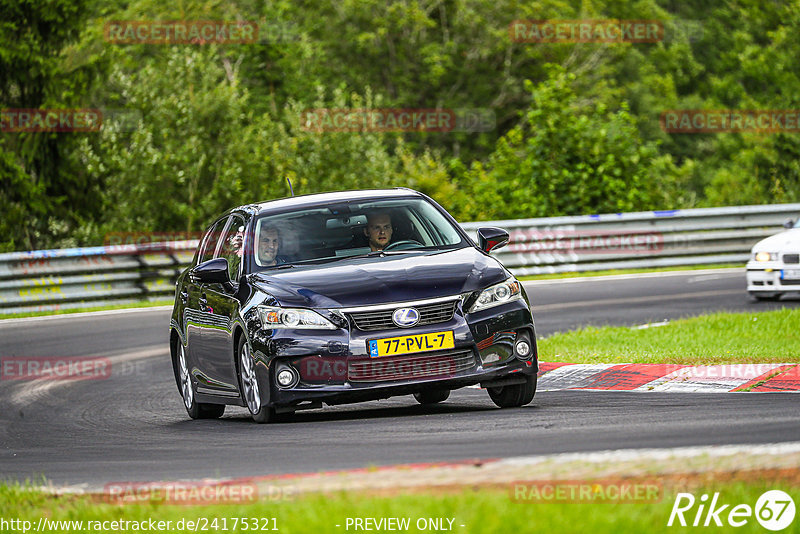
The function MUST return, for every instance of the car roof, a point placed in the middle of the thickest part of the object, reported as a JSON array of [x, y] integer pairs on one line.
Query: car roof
[[329, 198]]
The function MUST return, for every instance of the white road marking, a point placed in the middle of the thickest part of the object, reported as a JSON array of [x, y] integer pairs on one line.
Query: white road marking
[[627, 300], [508, 470], [633, 276], [714, 451], [82, 315], [650, 325], [709, 378], [29, 390], [570, 376], [704, 278]]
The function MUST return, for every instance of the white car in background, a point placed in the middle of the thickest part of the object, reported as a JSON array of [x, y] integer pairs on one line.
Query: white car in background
[[774, 266]]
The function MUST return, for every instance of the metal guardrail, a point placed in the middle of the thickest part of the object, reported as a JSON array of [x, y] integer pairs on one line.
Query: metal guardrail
[[92, 276], [638, 240], [120, 274]]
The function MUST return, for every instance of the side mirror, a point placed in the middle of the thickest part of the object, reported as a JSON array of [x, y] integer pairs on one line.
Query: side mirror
[[492, 238], [212, 272], [788, 223]]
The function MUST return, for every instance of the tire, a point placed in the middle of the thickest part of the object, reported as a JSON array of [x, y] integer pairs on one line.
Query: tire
[[432, 396], [248, 385], [765, 296], [516, 395], [196, 410]]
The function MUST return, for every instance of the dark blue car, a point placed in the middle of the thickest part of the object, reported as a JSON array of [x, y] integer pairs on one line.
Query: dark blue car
[[347, 297]]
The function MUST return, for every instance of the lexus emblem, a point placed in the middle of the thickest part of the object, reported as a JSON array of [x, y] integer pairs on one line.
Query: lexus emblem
[[405, 317]]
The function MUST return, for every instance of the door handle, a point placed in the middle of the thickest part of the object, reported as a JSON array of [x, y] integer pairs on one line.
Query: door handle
[[184, 296]]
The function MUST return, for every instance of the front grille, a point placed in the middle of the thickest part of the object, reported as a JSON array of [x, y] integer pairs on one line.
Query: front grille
[[791, 258], [438, 312], [412, 367]]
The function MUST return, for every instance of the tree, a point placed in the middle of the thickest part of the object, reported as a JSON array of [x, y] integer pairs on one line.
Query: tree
[[565, 158], [41, 198]]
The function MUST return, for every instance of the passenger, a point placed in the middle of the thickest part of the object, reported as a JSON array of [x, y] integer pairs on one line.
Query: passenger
[[234, 251], [235, 242], [378, 230]]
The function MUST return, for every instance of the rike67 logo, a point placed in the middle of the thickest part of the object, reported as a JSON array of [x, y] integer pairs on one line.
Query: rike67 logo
[[774, 510]]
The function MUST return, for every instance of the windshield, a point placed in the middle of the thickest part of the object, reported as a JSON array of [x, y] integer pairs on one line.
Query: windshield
[[333, 232]]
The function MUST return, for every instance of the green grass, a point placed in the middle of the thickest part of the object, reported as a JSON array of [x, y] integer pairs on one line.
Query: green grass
[[89, 308], [764, 337], [556, 276], [490, 510]]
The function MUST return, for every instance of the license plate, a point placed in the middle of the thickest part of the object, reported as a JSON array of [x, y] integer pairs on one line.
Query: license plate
[[790, 274], [394, 346]]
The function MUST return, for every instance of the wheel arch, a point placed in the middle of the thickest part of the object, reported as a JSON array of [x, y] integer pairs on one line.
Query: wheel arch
[[238, 332], [174, 339]]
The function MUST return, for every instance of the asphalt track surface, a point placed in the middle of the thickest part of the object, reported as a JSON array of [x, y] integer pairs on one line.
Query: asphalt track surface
[[132, 425]]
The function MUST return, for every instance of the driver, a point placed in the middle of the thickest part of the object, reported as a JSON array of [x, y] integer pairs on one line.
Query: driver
[[268, 243], [378, 230]]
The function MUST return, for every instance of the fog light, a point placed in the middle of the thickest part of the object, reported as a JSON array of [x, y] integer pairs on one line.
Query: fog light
[[523, 348], [286, 377]]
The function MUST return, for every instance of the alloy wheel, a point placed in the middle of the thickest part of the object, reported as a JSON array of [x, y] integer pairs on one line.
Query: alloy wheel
[[249, 382], [186, 383]]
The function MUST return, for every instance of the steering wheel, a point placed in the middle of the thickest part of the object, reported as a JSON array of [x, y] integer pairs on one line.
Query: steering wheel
[[404, 243]]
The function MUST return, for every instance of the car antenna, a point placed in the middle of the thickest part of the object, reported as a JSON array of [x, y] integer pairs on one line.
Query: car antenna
[[291, 189]]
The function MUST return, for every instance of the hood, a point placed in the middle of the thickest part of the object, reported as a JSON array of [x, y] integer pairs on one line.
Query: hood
[[377, 280], [788, 240]]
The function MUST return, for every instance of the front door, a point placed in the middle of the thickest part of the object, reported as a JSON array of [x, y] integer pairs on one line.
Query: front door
[[220, 307]]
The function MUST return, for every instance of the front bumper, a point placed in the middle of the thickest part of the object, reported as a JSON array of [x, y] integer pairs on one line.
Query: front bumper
[[335, 366], [772, 277]]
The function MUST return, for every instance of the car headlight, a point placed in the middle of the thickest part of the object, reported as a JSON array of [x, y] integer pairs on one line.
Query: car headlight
[[766, 256], [298, 318], [497, 294]]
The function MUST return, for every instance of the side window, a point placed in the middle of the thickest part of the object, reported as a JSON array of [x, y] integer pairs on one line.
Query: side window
[[209, 244], [233, 246]]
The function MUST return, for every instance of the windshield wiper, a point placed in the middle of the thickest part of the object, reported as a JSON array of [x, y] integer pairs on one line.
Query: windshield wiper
[[279, 266], [376, 253], [372, 254]]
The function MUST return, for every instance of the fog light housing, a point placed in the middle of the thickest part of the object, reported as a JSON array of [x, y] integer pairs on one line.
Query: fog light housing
[[523, 348], [286, 377]]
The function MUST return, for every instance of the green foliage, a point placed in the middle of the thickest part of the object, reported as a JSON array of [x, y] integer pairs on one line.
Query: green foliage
[[200, 148], [40, 199], [19, 199], [220, 125], [565, 158], [188, 157]]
